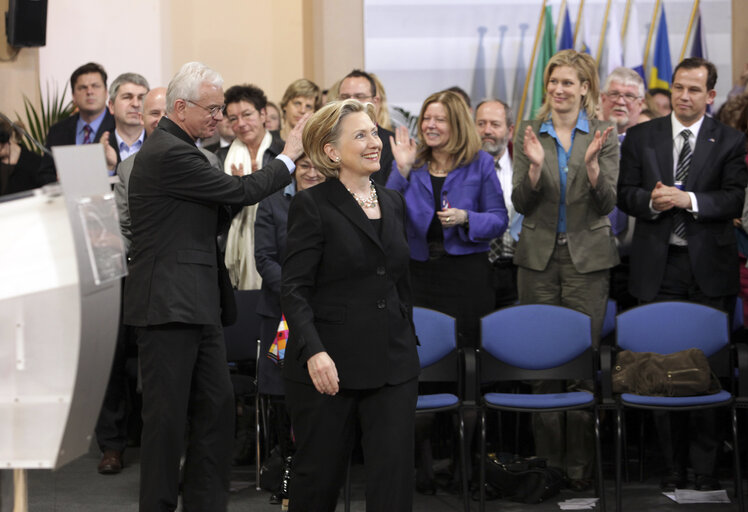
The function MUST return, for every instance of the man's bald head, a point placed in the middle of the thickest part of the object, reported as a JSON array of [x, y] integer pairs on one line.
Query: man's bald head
[[154, 108]]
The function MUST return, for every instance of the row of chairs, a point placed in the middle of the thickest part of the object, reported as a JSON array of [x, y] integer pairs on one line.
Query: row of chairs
[[541, 342]]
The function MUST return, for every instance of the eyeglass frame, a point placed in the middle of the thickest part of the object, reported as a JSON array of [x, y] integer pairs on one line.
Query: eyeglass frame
[[627, 97], [358, 97], [213, 111]]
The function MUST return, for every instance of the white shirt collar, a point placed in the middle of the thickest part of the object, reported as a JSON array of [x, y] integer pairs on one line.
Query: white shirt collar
[[678, 127]]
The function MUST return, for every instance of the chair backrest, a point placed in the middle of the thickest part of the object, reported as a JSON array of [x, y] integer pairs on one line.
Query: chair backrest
[[667, 327], [609, 321], [241, 338], [436, 333], [535, 336]]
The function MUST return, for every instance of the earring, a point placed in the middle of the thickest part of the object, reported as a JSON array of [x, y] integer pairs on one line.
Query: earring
[[337, 160]]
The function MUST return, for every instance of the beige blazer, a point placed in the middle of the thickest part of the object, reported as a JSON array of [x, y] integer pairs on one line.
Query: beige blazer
[[591, 243]]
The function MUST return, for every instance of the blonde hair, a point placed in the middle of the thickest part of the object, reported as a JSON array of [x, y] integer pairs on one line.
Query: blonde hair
[[383, 118], [586, 70], [302, 88], [324, 128], [463, 143]]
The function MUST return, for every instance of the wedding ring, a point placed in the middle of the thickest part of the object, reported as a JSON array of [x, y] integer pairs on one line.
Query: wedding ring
[[449, 219]]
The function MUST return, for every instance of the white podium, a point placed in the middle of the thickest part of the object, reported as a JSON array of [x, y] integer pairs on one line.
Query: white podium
[[60, 269]]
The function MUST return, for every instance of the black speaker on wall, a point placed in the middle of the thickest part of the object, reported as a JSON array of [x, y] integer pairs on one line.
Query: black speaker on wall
[[26, 23]]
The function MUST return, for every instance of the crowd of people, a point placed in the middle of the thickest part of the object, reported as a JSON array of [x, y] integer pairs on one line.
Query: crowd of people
[[346, 220]]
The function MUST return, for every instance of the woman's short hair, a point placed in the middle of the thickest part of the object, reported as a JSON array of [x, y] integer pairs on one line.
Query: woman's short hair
[[586, 70], [324, 128], [186, 83], [463, 143], [302, 88], [246, 92]]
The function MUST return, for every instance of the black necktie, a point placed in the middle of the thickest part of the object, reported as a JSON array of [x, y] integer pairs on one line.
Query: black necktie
[[681, 174]]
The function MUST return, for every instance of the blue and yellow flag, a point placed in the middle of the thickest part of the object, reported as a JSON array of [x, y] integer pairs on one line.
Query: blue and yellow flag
[[661, 73], [546, 51]]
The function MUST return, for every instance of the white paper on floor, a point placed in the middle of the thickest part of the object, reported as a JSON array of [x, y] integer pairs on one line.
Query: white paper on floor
[[578, 504], [690, 496]]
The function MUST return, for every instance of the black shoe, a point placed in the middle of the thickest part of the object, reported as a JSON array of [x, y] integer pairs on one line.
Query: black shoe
[[674, 479], [707, 483]]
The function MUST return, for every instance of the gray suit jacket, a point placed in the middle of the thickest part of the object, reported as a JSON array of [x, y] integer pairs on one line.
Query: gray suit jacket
[[591, 243], [124, 169]]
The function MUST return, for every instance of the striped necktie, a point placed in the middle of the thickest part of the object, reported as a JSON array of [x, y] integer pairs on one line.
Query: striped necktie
[[681, 174], [87, 134]]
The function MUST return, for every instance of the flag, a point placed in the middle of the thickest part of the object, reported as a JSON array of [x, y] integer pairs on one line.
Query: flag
[[661, 72], [586, 44], [546, 51], [632, 49], [614, 58], [698, 48], [567, 34], [499, 81], [478, 93], [521, 73]]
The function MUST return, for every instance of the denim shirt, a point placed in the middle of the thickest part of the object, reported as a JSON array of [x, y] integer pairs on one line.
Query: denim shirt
[[563, 160]]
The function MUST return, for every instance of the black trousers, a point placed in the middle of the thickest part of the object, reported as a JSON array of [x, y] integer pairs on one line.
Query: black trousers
[[689, 436], [185, 383], [324, 428], [111, 427]]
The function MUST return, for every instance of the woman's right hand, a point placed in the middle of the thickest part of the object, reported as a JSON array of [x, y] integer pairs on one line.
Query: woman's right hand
[[535, 154], [403, 150], [324, 374]]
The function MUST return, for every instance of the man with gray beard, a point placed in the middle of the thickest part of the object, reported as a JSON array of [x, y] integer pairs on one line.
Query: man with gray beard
[[495, 126]]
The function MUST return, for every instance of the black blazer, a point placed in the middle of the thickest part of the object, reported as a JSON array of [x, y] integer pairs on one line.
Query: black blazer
[[176, 199], [717, 177], [346, 291], [63, 134], [24, 175], [270, 250]]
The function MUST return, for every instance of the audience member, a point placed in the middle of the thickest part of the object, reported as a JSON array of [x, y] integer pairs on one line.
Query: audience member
[[177, 294], [88, 85], [272, 117], [383, 112], [661, 98], [683, 177], [19, 167], [270, 251], [225, 136], [361, 86], [464, 95], [253, 148], [351, 356], [126, 105], [622, 99], [565, 171], [495, 125], [301, 97]]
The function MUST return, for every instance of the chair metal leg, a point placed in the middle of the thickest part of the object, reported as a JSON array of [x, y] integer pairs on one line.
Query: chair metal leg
[[482, 490], [257, 420], [464, 462], [599, 462], [641, 446], [736, 451], [619, 446]]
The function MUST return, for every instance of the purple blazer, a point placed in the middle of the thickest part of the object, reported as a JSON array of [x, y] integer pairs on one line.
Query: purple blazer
[[473, 187]]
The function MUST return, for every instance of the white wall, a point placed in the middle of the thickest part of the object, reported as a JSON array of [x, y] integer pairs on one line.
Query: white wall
[[121, 36]]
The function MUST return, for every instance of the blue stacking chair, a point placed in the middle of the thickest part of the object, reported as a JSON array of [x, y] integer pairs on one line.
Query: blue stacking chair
[[441, 361], [537, 342], [664, 328]]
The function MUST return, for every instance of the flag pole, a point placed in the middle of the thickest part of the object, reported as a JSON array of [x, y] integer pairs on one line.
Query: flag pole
[[649, 36], [560, 17], [521, 111], [625, 24], [602, 34], [694, 10], [579, 20]]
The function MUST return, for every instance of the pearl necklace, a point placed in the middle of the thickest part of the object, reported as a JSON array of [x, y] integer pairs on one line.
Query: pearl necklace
[[367, 202]]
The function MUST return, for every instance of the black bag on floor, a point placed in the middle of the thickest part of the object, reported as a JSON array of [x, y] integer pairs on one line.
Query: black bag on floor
[[527, 480]]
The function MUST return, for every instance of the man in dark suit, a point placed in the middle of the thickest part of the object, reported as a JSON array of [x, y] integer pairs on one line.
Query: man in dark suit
[[683, 177], [360, 85], [177, 294], [88, 85], [126, 105]]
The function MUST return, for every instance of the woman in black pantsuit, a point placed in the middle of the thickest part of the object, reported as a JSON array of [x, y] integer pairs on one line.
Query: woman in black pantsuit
[[351, 355]]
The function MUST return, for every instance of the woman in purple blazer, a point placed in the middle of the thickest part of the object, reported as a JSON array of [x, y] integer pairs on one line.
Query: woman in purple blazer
[[454, 208]]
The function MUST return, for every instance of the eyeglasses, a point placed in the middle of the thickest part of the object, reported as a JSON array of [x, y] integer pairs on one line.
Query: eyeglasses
[[359, 97], [628, 97], [246, 116], [214, 110]]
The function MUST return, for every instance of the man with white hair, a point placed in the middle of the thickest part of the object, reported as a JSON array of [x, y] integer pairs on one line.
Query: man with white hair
[[622, 98], [177, 294]]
